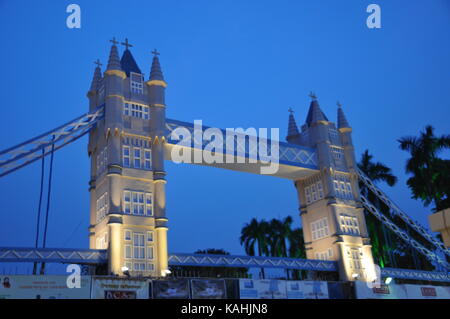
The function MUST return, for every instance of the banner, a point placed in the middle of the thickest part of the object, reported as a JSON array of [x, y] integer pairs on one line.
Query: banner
[[171, 289], [307, 290], [208, 289], [383, 292], [262, 289], [42, 287], [427, 292], [119, 288]]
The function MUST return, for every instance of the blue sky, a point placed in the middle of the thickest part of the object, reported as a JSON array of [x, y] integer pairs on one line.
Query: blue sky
[[230, 64]]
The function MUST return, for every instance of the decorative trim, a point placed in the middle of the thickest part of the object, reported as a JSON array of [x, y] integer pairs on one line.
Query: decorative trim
[[117, 96], [250, 261], [119, 73], [157, 82]]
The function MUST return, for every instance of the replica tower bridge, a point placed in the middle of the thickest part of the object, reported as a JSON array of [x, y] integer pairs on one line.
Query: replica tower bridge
[[129, 140]]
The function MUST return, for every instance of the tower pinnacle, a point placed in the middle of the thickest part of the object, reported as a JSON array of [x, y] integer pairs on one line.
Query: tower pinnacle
[[315, 114], [97, 76], [156, 72], [114, 61], [341, 119], [293, 131]]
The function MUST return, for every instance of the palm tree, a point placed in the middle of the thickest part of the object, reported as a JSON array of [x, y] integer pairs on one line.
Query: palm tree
[[430, 173], [278, 235], [296, 244], [255, 233], [377, 172]]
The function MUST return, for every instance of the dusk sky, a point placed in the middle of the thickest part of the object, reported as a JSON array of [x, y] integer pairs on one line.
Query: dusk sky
[[230, 64]]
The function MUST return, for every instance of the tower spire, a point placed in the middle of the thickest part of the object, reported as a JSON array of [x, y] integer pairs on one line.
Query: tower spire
[[341, 119], [315, 114], [97, 76], [293, 132], [156, 72], [114, 61]]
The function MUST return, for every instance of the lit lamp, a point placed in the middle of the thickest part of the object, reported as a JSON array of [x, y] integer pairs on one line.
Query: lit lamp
[[125, 271], [355, 276], [165, 272], [388, 280]]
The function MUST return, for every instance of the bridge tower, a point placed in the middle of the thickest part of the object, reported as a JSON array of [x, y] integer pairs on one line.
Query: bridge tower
[[332, 215], [127, 181]]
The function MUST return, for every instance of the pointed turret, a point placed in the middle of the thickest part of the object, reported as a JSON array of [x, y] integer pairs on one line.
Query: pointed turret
[[156, 82], [341, 119], [293, 132], [315, 114], [114, 61], [156, 72], [96, 78]]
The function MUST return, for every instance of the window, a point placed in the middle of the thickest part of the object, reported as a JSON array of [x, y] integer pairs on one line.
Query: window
[[137, 158], [136, 110], [147, 159], [314, 192], [136, 83], [149, 252], [102, 207], [102, 160], [139, 246], [132, 157], [128, 252], [343, 187], [349, 224], [139, 266], [137, 203], [355, 258], [338, 155], [139, 251], [319, 229], [148, 204], [149, 236], [308, 195], [102, 241], [126, 156], [324, 255]]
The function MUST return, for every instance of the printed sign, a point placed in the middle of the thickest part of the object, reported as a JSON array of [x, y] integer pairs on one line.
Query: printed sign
[[307, 290], [42, 287], [171, 289], [427, 292], [119, 288], [262, 289], [208, 289], [383, 292]]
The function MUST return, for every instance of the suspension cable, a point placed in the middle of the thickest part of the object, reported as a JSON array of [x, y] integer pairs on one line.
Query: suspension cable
[[38, 222], [48, 202]]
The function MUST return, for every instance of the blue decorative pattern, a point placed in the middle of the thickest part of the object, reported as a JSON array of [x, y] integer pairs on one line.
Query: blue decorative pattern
[[289, 154], [250, 261], [415, 274], [53, 255]]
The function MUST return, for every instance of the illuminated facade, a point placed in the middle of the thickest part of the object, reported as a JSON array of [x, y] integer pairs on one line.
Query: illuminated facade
[[332, 215], [127, 183]]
